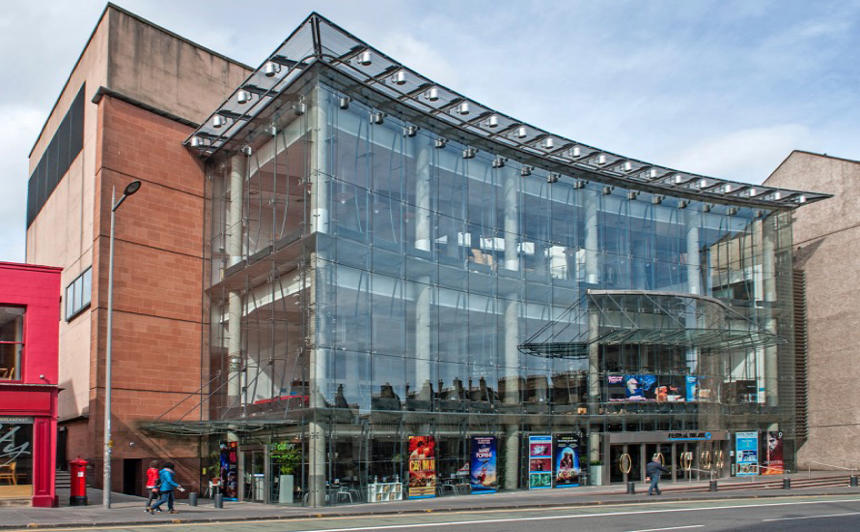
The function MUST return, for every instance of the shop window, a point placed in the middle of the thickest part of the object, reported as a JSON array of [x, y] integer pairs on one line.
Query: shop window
[[16, 456], [11, 342], [78, 294]]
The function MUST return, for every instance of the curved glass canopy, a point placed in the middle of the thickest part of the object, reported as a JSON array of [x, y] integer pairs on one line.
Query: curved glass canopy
[[319, 41]]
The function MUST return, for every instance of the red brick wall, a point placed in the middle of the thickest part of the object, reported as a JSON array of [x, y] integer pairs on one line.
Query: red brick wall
[[158, 306]]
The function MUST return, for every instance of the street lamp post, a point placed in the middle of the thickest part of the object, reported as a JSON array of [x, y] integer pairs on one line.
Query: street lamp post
[[129, 190]]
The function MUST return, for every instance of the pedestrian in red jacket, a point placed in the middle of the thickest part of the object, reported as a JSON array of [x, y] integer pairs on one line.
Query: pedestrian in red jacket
[[152, 483]]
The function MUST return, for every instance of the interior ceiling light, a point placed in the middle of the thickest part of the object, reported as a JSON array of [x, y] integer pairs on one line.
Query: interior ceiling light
[[399, 77], [365, 58], [243, 96], [432, 94], [463, 108], [343, 102], [271, 68]]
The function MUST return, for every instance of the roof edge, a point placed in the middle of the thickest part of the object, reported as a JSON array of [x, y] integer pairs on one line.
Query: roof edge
[[105, 91]]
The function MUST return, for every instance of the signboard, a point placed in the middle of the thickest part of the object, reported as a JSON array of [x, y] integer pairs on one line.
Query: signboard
[[688, 436], [422, 467], [567, 466], [746, 453], [482, 476], [774, 464], [540, 462]]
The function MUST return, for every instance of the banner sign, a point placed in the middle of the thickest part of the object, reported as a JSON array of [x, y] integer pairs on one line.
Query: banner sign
[[482, 474], [540, 462], [746, 453], [774, 464], [632, 387], [567, 465], [422, 467]]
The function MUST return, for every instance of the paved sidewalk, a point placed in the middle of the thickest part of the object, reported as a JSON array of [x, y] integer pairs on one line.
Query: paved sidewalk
[[128, 510]]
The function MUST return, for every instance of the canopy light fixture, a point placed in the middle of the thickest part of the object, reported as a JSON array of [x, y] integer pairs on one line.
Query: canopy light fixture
[[801, 199], [703, 183], [470, 152], [499, 161], [247, 150], [678, 179], [300, 108], [548, 143], [627, 166], [731, 211], [579, 184], [493, 121], [601, 159], [526, 170], [607, 190], [410, 131], [343, 102], [243, 96], [522, 132], [727, 188], [365, 58], [218, 121], [440, 142], [271, 68], [656, 200], [399, 77], [432, 94], [632, 194], [576, 151], [553, 177], [706, 207], [463, 108], [682, 204]]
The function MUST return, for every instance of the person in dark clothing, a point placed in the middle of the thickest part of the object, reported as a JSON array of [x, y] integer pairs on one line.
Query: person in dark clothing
[[166, 487], [654, 469]]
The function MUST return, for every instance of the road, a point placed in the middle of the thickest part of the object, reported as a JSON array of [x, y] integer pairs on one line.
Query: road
[[822, 514]]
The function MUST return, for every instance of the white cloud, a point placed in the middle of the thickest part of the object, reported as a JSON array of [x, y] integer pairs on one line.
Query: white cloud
[[748, 155]]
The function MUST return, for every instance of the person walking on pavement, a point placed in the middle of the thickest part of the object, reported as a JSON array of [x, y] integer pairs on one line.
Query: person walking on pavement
[[167, 485], [151, 484], [654, 469]]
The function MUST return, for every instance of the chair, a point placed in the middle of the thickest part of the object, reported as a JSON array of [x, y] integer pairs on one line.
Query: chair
[[8, 472]]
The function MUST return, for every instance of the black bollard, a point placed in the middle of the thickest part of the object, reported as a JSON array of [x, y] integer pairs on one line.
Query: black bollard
[[631, 488], [712, 486], [219, 500], [852, 481], [786, 483], [192, 498]]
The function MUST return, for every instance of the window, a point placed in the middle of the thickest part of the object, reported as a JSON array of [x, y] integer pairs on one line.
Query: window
[[11, 342], [78, 294]]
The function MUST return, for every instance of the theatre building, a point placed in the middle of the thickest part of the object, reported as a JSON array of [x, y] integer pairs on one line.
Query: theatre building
[[29, 312], [405, 293]]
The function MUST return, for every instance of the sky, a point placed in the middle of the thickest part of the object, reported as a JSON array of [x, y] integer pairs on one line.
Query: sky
[[721, 88]]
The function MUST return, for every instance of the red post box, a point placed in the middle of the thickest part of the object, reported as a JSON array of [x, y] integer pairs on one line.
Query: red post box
[[78, 487]]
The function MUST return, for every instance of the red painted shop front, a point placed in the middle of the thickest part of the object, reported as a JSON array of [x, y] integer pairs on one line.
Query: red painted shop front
[[29, 329]]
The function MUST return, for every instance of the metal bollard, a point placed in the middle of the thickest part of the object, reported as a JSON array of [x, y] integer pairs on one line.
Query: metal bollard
[[712, 486], [192, 498], [786, 483], [852, 481], [631, 488], [219, 500]]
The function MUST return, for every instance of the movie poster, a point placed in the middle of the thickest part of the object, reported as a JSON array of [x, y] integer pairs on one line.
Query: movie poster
[[482, 475], [671, 390], [567, 466], [422, 467], [774, 463], [632, 387], [746, 453], [540, 462], [692, 384]]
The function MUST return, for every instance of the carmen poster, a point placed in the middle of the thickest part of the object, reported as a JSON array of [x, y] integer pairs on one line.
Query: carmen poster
[[422, 467], [540, 462], [774, 464], [567, 465], [482, 474]]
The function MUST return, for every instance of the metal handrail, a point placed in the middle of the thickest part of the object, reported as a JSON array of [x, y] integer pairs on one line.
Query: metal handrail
[[809, 469]]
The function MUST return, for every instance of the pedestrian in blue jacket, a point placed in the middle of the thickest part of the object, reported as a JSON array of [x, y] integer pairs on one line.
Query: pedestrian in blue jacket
[[166, 485]]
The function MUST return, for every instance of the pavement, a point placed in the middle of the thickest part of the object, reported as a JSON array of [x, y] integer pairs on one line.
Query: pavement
[[128, 510]]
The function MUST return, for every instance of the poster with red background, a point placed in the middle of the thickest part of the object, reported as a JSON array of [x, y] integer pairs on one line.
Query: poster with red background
[[422, 467]]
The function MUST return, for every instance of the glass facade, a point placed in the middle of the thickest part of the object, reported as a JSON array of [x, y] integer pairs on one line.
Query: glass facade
[[373, 281]]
